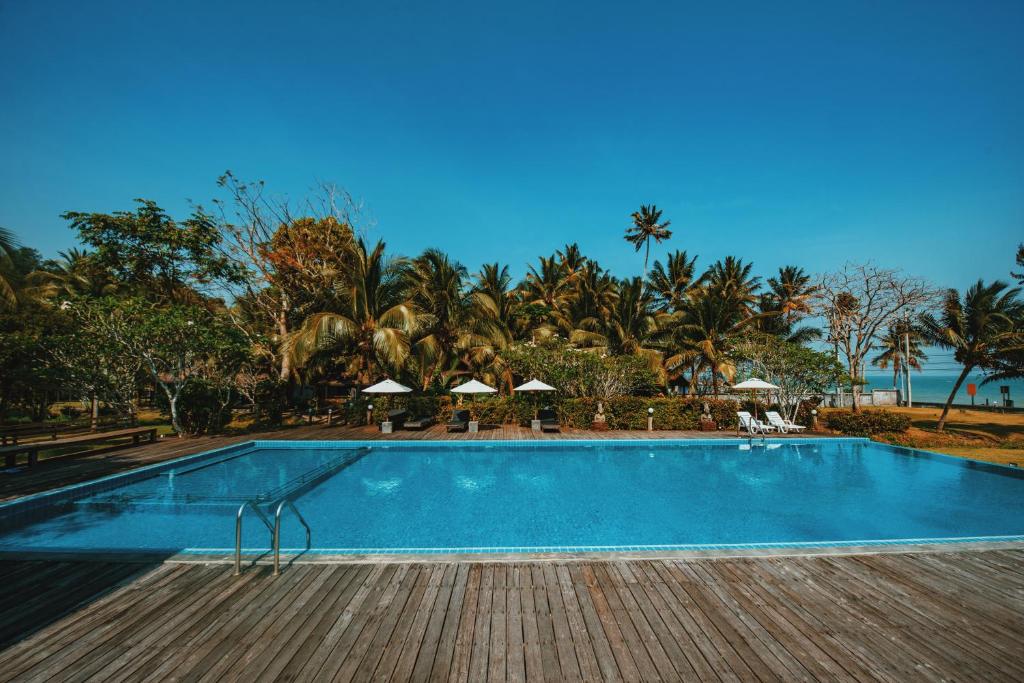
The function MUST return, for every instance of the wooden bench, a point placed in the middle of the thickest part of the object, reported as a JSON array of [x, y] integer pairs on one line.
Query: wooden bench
[[12, 434], [11, 453]]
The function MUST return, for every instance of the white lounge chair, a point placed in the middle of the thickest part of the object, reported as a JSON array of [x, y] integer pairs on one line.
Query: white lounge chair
[[783, 425], [753, 425]]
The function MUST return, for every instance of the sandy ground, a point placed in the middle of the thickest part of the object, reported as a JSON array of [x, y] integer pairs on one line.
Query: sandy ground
[[978, 434]]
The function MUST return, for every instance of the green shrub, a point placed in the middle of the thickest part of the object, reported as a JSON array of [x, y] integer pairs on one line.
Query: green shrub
[[271, 402], [866, 423], [621, 412], [201, 409]]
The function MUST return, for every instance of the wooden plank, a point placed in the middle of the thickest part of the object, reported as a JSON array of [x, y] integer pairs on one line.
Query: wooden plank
[[549, 655], [463, 644], [371, 645], [482, 628], [764, 634], [606, 597], [310, 625], [441, 577], [338, 639], [376, 628], [439, 663], [533, 655], [515, 648], [498, 648], [567, 658]]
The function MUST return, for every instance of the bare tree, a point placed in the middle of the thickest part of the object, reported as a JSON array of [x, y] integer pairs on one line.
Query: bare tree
[[255, 226], [859, 302]]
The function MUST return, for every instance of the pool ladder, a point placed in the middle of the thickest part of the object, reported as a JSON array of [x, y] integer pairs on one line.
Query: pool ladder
[[274, 529]]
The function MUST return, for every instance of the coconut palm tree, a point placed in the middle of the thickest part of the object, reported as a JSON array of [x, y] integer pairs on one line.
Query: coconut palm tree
[[646, 226], [702, 336], [670, 284], [731, 279], [548, 284], [788, 300], [495, 299], [893, 351], [633, 322], [8, 299], [443, 308], [72, 276], [372, 321], [980, 329]]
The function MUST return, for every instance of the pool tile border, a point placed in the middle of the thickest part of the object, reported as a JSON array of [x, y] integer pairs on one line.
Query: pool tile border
[[27, 509]]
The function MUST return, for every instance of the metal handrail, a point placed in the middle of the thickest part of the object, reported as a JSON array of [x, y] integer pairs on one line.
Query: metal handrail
[[277, 532], [238, 530]]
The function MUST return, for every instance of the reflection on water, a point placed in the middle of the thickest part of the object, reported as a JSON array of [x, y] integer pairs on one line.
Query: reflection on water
[[595, 494]]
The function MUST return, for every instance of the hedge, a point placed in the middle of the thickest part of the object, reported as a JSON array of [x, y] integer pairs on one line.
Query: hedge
[[866, 423], [621, 412]]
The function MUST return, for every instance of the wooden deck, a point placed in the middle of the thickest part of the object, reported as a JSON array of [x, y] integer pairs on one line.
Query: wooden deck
[[956, 615], [946, 616], [49, 474]]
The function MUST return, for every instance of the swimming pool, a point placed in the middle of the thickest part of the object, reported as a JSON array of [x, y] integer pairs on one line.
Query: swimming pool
[[531, 496]]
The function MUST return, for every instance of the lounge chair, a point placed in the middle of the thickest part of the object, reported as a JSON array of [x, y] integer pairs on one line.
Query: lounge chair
[[783, 425], [548, 420], [397, 418], [459, 421], [421, 422], [752, 425]]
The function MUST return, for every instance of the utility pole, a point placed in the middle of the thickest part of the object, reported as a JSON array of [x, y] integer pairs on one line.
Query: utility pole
[[906, 362]]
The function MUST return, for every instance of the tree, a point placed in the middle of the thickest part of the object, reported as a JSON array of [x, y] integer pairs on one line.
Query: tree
[[1019, 277], [858, 302], [671, 284], [95, 364], [283, 255], [647, 226], [982, 328], [789, 299], [179, 345], [73, 276], [798, 371], [370, 322], [7, 248], [893, 345], [149, 251], [702, 338]]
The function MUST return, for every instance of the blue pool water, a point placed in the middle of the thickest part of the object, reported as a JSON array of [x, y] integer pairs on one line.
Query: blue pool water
[[479, 496]]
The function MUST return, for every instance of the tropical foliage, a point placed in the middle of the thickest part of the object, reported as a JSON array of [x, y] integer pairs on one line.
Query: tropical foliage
[[984, 328], [257, 302]]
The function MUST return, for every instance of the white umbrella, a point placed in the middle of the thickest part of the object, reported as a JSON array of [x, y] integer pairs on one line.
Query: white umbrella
[[388, 386], [474, 387], [754, 384], [534, 385]]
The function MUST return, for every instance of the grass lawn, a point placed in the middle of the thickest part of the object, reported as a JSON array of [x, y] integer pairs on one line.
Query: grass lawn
[[977, 434]]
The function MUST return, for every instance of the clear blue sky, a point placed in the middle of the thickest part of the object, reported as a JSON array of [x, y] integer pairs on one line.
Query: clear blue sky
[[805, 133]]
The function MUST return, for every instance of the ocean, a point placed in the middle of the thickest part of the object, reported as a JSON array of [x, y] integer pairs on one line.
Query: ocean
[[935, 385]]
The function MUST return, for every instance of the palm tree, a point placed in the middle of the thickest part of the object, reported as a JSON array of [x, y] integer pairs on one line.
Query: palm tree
[[548, 285], [72, 276], [671, 283], [787, 300], [647, 226], [7, 247], [731, 279], [702, 337], [495, 299], [980, 329], [633, 322], [893, 351], [373, 320]]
